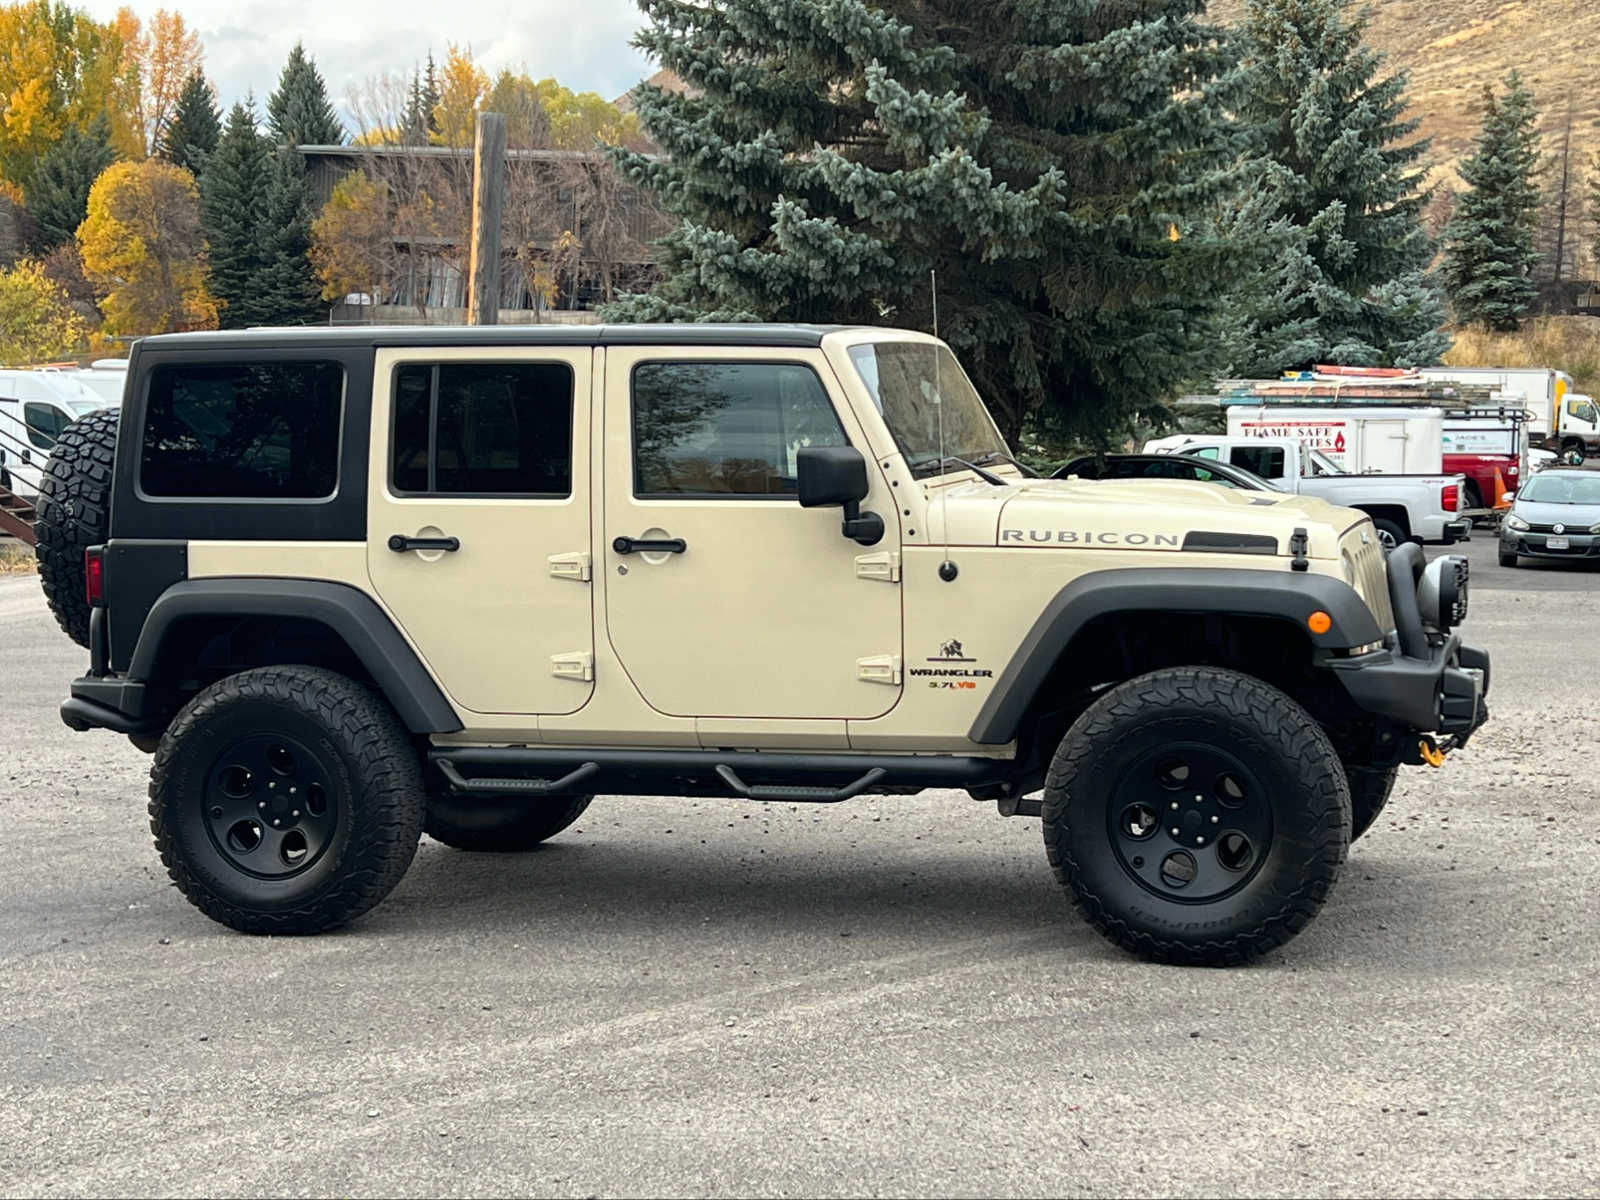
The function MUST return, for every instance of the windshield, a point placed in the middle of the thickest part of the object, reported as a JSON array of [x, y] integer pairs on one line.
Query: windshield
[[1321, 464], [913, 383], [1562, 489]]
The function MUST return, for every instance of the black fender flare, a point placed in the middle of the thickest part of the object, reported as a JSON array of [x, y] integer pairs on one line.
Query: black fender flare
[[1281, 595], [349, 612]]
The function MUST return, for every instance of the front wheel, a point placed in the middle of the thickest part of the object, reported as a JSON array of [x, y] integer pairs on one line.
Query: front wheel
[[1197, 816], [286, 800], [1509, 559], [1572, 455]]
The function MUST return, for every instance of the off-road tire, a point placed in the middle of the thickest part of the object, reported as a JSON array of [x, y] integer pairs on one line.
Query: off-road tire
[[1370, 789], [1509, 560], [1216, 712], [499, 824], [375, 791], [74, 514]]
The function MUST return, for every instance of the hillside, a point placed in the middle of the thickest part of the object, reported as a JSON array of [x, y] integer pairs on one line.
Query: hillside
[[1453, 47]]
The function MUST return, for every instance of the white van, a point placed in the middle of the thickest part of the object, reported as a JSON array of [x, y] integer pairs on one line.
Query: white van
[[35, 406]]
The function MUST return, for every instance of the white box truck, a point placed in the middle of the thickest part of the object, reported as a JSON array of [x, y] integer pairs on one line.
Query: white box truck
[[1559, 419], [1360, 441]]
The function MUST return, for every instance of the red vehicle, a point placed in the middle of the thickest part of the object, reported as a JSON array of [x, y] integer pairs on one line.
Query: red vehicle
[[1485, 445]]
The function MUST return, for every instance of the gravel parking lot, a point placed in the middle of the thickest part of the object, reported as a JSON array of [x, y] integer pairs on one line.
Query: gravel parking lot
[[887, 997]]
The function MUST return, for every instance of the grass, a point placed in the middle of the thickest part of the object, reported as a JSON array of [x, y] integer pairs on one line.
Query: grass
[[1571, 344], [17, 560]]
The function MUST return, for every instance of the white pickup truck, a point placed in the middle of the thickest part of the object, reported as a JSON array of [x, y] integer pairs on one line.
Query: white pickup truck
[[1401, 506]]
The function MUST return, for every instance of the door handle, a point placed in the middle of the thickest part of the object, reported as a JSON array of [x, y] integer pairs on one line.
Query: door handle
[[628, 545], [401, 544]]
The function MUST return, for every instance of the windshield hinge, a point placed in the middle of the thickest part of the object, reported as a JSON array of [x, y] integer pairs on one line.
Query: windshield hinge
[[1300, 546]]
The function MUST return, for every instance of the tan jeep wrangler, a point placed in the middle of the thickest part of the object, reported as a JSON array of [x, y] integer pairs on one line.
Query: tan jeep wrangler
[[351, 585]]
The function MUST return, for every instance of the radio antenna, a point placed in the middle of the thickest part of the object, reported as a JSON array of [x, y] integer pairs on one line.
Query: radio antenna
[[947, 569]]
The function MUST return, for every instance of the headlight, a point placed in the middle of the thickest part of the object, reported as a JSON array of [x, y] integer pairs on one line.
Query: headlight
[[1442, 594], [1594, 529], [1517, 523]]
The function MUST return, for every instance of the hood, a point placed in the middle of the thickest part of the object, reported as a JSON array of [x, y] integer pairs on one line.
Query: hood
[[1576, 517], [1132, 514]]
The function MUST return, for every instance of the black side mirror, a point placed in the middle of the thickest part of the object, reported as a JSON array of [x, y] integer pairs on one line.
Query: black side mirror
[[834, 477]]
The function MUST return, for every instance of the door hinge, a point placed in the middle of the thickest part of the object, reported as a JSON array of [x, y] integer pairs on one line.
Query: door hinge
[[570, 566], [880, 668], [884, 567], [577, 666]]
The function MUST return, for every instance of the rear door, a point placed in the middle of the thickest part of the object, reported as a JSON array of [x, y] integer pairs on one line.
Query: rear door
[[478, 534]]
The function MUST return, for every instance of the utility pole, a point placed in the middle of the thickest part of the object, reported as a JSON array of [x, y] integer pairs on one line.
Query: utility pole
[[488, 199]]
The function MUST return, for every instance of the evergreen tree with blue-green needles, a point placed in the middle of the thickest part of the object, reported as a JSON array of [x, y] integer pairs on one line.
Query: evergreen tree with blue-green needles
[[1492, 239], [1054, 161], [1344, 182]]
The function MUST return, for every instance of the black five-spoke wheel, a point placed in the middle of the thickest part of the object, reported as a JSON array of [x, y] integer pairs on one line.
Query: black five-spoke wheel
[[286, 800], [1191, 822], [1197, 815], [270, 806]]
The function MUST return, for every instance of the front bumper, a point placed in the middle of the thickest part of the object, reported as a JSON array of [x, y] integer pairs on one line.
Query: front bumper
[[1443, 694], [1536, 545], [1426, 683]]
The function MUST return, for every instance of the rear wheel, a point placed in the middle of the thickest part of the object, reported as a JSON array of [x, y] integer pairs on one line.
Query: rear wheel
[[286, 800], [1390, 535], [500, 824], [1197, 816]]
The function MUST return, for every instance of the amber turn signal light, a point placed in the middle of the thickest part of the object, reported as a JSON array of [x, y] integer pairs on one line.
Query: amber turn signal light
[[1319, 622]]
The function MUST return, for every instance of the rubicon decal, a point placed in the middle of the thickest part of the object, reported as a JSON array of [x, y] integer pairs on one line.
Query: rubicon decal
[[1091, 537]]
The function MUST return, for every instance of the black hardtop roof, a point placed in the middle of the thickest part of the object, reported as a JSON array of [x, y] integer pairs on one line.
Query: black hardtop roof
[[356, 336]]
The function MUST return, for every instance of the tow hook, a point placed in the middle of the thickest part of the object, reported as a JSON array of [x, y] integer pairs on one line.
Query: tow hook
[[1432, 753]]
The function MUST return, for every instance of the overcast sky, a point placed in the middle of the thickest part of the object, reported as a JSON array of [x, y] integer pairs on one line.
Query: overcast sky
[[584, 43]]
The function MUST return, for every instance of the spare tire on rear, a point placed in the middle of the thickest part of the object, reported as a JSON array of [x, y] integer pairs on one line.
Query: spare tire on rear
[[74, 514]]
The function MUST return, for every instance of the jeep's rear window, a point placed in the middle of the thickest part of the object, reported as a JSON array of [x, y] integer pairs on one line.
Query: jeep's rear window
[[243, 430], [483, 429]]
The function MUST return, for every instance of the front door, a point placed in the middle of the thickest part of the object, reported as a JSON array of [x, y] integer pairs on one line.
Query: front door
[[478, 526], [741, 604]]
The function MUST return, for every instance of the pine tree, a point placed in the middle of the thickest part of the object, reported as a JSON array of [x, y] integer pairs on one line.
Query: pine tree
[[1051, 161], [1594, 213], [1343, 172], [286, 287], [1491, 242], [299, 112], [196, 126], [58, 194], [233, 193]]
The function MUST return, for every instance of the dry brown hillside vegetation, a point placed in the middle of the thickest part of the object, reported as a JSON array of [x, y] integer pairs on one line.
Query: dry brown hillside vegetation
[[1453, 47]]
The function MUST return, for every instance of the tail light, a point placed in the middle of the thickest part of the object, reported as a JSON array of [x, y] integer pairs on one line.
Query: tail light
[[1452, 498], [94, 576]]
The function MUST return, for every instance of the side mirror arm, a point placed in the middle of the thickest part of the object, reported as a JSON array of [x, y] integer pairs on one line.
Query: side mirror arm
[[867, 528]]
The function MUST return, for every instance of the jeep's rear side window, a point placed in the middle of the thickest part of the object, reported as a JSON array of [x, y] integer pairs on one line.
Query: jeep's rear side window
[[726, 429], [483, 429], [243, 430]]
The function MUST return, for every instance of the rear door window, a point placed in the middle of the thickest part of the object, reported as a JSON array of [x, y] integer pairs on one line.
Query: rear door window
[[1265, 461], [483, 429], [243, 430]]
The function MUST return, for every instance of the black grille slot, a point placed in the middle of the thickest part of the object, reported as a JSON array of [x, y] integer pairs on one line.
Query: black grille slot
[[1230, 543]]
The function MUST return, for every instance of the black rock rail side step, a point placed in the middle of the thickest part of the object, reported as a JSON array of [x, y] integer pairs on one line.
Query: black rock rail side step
[[821, 778]]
